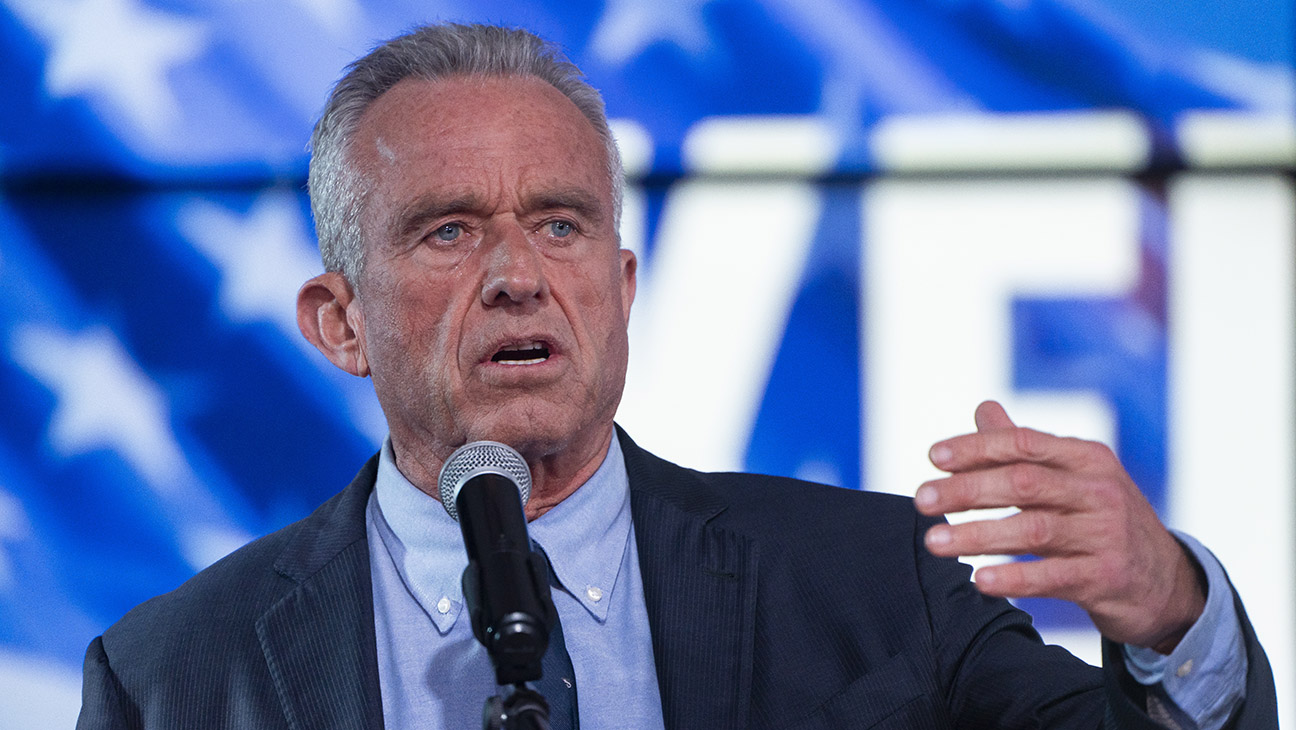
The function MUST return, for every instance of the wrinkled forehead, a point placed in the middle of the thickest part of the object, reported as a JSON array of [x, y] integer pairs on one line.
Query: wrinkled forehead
[[496, 138], [490, 112]]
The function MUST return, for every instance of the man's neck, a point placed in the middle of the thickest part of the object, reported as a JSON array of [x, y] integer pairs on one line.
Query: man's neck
[[555, 472]]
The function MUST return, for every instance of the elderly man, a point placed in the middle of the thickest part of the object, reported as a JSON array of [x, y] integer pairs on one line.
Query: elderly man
[[466, 192]]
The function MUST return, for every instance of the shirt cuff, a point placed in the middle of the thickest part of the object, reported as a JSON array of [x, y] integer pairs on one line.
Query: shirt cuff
[[1205, 675]]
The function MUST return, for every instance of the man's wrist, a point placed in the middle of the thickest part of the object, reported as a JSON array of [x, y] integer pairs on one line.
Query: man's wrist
[[1205, 673], [1191, 591]]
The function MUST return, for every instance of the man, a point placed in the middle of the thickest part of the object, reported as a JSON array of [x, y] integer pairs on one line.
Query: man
[[466, 191]]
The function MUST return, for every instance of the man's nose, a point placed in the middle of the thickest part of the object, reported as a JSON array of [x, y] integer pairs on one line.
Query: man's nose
[[514, 272]]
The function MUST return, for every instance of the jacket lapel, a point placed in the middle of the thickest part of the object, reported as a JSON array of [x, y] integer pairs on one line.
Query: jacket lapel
[[700, 587], [319, 638]]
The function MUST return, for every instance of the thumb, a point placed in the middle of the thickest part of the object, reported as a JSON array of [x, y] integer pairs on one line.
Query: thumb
[[990, 416]]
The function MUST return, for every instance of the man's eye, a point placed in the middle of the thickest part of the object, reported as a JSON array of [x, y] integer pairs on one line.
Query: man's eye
[[448, 232], [561, 229]]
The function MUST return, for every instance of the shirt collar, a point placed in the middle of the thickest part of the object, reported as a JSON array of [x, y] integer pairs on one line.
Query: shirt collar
[[424, 543], [587, 534], [585, 538]]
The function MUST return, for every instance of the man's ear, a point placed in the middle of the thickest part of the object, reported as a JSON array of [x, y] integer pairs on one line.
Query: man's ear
[[329, 315], [629, 267]]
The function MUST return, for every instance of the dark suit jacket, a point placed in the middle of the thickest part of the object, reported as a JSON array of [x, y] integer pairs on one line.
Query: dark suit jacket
[[773, 604]]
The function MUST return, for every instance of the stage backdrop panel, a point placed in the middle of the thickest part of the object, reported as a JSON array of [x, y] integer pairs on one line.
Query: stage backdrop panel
[[855, 219]]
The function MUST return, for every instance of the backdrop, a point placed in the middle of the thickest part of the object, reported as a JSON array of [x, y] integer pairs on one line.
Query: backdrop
[[855, 220]]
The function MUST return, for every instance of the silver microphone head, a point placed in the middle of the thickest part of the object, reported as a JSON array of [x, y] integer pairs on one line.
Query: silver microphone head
[[481, 457]]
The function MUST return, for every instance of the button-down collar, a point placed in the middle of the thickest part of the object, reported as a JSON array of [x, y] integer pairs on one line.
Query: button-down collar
[[424, 543], [586, 535]]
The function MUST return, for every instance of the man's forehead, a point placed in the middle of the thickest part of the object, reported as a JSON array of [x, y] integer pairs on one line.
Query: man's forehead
[[474, 144], [476, 100], [460, 197], [510, 122]]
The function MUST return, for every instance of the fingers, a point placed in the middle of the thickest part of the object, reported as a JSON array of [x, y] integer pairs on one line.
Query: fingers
[[1063, 578], [1135, 591], [1021, 485], [1008, 445], [1034, 532], [991, 416], [1066, 575]]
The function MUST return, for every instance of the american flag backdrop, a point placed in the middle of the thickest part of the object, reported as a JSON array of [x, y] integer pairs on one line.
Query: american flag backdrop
[[855, 219]]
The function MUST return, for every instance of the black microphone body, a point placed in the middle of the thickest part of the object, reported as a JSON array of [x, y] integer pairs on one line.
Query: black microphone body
[[509, 582], [506, 584]]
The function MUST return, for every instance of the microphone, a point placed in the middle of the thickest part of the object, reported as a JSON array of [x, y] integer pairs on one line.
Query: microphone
[[483, 486]]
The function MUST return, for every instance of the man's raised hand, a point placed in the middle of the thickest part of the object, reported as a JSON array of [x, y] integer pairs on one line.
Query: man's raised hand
[[1101, 544]]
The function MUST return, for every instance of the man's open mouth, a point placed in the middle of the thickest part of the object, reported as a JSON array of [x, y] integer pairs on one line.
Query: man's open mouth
[[523, 354]]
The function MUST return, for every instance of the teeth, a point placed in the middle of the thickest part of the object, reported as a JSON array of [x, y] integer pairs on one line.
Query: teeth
[[523, 353]]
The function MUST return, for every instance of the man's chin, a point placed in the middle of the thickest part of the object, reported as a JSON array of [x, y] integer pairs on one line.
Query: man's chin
[[535, 433]]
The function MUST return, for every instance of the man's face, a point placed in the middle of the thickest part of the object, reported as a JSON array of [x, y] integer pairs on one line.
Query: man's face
[[494, 297]]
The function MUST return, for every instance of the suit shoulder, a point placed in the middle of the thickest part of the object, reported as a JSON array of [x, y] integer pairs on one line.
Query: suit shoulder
[[222, 602], [768, 505], [762, 488], [763, 494], [249, 578], [784, 509], [782, 505], [237, 582]]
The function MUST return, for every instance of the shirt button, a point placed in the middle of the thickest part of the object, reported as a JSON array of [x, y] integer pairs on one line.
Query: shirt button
[[595, 593], [1184, 669], [443, 605]]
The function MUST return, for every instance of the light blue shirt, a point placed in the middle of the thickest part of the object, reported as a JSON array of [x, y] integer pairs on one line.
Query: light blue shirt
[[431, 670], [434, 674]]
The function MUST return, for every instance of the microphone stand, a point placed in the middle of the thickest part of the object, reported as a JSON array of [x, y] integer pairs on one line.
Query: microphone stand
[[523, 709]]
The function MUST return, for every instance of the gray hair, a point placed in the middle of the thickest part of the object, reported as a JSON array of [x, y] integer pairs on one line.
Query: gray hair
[[338, 190]]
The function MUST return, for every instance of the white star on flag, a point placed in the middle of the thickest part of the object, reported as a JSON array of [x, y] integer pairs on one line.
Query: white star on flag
[[104, 400], [264, 256], [117, 50], [335, 15], [627, 27]]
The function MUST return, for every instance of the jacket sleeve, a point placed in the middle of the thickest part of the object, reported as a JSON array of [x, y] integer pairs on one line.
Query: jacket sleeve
[[998, 673], [996, 670], [1259, 711], [104, 704]]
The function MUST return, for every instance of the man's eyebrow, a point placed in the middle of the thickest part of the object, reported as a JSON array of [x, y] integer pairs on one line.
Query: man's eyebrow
[[579, 201], [411, 218]]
